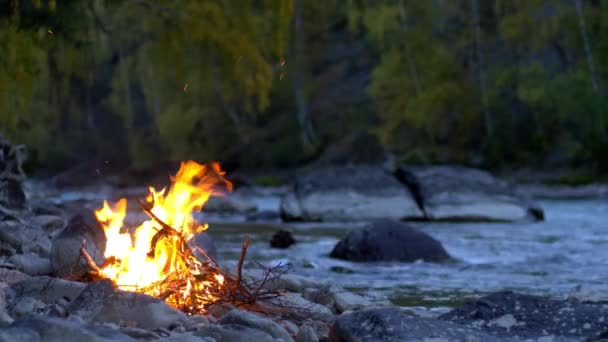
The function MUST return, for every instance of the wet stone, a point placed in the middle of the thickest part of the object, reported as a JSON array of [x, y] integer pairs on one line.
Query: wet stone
[[306, 334], [26, 306], [31, 264], [234, 333], [250, 320], [282, 239], [49, 223], [392, 325], [60, 330], [101, 303], [348, 193], [18, 335], [11, 277], [25, 238], [65, 253], [507, 313], [385, 240], [48, 290]]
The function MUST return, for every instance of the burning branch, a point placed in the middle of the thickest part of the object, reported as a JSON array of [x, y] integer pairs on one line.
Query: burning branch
[[165, 266]]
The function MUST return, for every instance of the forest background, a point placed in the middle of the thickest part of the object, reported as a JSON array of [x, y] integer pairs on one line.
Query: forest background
[[500, 84]]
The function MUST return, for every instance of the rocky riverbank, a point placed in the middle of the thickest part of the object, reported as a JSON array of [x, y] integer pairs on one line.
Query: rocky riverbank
[[37, 305], [40, 239], [43, 308]]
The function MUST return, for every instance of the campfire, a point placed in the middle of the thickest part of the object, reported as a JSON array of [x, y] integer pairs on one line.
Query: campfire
[[157, 257]]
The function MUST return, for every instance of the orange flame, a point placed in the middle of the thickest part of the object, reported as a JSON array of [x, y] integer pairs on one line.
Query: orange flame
[[135, 269]]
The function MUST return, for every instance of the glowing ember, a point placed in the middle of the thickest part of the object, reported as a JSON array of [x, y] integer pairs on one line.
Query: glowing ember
[[155, 259]]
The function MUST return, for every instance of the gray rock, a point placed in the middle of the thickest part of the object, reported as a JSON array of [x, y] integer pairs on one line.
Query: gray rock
[[49, 223], [511, 314], [199, 319], [92, 299], [389, 241], [25, 238], [247, 319], [391, 325], [349, 193], [48, 290], [461, 193], [26, 306], [306, 334], [290, 208], [282, 239], [101, 303], [5, 317], [60, 330], [322, 295], [65, 253], [348, 301], [18, 335], [302, 308], [188, 337], [7, 249], [234, 333], [4, 293], [11, 277], [139, 333], [229, 203], [31, 264]]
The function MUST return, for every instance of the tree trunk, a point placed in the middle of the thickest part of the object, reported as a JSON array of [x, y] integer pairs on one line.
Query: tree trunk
[[410, 62], [441, 15], [585, 37], [308, 134], [482, 76]]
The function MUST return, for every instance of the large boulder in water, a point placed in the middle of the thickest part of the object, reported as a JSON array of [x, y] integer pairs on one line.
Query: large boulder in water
[[348, 193], [461, 193], [389, 241]]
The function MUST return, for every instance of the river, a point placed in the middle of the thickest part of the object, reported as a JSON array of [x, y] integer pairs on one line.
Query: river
[[553, 257]]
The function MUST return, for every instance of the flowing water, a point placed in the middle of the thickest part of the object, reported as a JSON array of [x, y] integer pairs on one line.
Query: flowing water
[[553, 257]]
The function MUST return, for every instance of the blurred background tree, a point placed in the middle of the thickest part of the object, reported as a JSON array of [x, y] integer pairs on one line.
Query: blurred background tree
[[279, 83]]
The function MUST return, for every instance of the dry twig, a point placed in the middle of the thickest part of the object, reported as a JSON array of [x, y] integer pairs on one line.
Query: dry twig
[[239, 268]]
